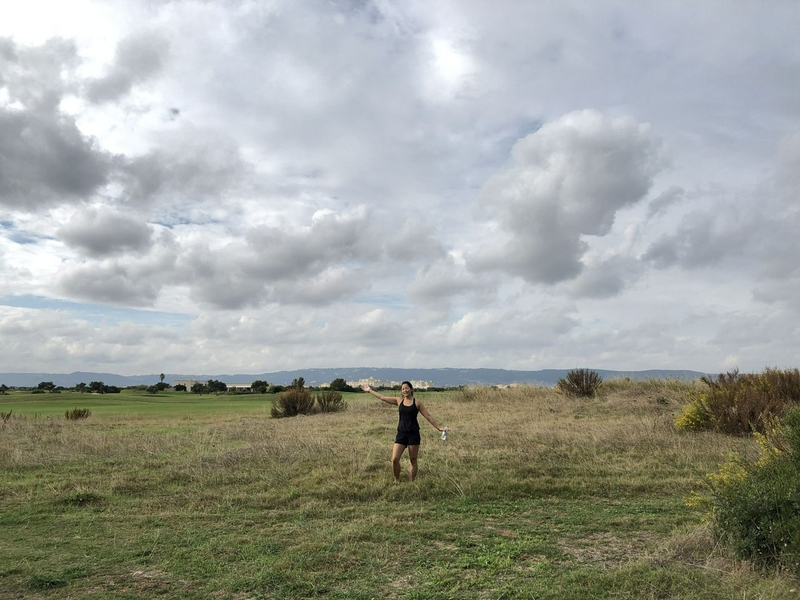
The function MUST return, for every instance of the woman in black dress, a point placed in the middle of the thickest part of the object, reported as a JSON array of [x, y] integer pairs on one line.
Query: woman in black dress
[[408, 427]]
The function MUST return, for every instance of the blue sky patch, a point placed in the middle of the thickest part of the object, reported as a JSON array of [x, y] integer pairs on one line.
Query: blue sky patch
[[98, 312]]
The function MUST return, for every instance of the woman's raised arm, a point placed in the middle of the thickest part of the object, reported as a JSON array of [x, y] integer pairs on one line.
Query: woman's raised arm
[[388, 399]]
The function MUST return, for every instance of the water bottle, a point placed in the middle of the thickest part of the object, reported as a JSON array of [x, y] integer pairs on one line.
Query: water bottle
[[444, 432]]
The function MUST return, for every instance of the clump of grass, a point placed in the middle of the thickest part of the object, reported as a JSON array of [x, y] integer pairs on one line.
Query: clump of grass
[[5, 416], [294, 401], [739, 404], [80, 496], [46, 582], [580, 382], [472, 393], [329, 402], [76, 414]]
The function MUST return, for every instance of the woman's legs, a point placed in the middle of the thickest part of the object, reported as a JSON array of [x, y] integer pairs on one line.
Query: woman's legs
[[412, 455], [397, 452]]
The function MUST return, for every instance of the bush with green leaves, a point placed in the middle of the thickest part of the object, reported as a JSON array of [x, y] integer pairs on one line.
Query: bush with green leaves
[[76, 414], [580, 382], [259, 386], [329, 402], [755, 504], [740, 403], [294, 401]]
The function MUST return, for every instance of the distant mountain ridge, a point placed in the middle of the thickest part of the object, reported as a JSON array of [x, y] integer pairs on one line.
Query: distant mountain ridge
[[446, 377]]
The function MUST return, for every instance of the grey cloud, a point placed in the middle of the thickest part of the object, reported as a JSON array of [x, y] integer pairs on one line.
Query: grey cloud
[[102, 232], [317, 265], [371, 328], [38, 76], [506, 329], [278, 253], [566, 181], [665, 199], [415, 240], [44, 158], [188, 167], [788, 169], [444, 279], [113, 283], [754, 233], [138, 58], [703, 239], [322, 289], [123, 280], [606, 278]]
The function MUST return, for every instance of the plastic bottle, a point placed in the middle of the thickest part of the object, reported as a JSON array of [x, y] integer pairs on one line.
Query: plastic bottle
[[444, 432]]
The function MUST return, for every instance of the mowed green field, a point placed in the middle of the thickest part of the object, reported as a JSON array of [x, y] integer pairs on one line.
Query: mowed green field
[[534, 495], [162, 406]]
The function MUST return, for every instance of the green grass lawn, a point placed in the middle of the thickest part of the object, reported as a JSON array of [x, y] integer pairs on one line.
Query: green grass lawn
[[533, 496]]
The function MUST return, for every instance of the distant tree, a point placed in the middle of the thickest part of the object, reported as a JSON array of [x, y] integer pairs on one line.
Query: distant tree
[[96, 386], [199, 388], [153, 389], [259, 386], [340, 385], [161, 386], [215, 386], [48, 386], [3, 388], [81, 387], [161, 378], [111, 389], [299, 382], [180, 388]]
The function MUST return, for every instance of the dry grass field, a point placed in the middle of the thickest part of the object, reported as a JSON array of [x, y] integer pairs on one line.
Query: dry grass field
[[534, 495]]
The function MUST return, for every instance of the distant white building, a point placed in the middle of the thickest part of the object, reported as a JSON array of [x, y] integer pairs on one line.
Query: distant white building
[[239, 387], [376, 383]]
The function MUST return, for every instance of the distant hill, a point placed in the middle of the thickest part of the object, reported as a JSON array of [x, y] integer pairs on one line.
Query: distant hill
[[440, 377]]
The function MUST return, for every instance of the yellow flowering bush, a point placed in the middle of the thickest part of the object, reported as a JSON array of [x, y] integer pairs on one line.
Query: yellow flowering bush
[[755, 504]]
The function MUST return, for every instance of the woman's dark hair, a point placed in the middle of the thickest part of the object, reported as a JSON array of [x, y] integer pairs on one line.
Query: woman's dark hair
[[408, 383]]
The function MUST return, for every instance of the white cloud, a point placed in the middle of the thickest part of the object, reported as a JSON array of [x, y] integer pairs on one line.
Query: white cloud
[[565, 181]]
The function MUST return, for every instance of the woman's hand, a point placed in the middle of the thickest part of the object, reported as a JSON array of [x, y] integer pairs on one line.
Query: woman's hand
[[365, 388]]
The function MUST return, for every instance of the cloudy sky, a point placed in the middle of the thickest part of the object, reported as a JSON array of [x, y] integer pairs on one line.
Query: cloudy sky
[[249, 186]]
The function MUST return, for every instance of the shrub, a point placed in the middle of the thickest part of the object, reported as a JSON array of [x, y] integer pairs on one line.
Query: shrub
[[329, 402], [180, 388], [580, 382], [738, 403], [340, 385], [294, 401], [77, 413], [754, 504]]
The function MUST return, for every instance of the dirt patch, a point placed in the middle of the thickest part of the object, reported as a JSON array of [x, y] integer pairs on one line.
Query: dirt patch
[[606, 549]]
